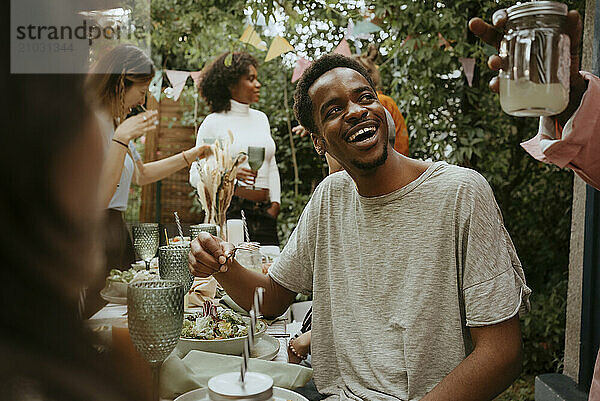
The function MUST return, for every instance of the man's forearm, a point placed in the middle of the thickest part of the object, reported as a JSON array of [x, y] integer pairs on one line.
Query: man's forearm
[[481, 376], [239, 283], [492, 366]]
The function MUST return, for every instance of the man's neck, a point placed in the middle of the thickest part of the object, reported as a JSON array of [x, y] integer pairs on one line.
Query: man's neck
[[395, 173]]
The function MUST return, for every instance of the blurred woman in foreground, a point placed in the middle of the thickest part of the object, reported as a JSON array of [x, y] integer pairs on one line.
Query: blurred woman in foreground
[[50, 214]]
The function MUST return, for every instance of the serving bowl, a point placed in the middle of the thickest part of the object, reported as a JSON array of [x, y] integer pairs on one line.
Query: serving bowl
[[228, 346], [115, 288]]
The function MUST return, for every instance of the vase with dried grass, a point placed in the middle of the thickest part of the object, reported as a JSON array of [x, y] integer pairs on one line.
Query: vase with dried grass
[[216, 183]]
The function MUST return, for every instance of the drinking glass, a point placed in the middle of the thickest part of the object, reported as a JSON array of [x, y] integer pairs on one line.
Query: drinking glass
[[198, 228], [256, 158], [145, 241], [248, 255], [173, 265], [155, 317]]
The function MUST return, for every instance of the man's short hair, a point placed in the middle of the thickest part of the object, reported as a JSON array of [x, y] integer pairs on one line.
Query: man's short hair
[[303, 108]]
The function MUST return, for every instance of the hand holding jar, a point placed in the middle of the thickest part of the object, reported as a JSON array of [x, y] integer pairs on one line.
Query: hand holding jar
[[539, 58]]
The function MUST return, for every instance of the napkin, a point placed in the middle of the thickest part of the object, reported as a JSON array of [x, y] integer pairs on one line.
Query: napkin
[[202, 289], [179, 376]]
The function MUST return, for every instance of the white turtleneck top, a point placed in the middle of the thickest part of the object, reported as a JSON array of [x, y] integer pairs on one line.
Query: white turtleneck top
[[250, 127]]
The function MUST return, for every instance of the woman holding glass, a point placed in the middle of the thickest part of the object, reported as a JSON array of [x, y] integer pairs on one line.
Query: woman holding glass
[[230, 89], [119, 80]]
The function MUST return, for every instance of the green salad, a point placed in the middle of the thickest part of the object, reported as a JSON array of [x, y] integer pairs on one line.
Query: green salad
[[130, 276], [224, 324]]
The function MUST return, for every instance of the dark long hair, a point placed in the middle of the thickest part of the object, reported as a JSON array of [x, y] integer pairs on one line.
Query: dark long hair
[[45, 253], [218, 76]]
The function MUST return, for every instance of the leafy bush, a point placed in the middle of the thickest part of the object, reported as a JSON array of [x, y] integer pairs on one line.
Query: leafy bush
[[291, 209], [544, 329]]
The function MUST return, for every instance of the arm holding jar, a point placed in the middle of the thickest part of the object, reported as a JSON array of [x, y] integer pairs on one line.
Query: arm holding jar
[[565, 139]]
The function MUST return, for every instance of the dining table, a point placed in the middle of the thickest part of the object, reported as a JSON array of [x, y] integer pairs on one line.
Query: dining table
[[281, 329], [101, 322]]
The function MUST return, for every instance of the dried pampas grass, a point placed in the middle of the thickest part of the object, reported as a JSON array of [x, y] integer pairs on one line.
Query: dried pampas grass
[[216, 183]]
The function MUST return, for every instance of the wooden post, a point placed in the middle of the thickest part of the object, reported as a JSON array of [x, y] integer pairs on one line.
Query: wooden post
[[170, 138], [147, 207]]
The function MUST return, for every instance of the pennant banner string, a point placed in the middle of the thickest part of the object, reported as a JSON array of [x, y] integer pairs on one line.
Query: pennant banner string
[[278, 46], [251, 37]]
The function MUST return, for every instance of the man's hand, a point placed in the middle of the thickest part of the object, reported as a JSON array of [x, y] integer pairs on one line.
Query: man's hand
[[208, 255], [492, 35]]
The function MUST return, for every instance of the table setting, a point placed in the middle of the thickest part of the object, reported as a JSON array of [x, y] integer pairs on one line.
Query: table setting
[[193, 340], [164, 313]]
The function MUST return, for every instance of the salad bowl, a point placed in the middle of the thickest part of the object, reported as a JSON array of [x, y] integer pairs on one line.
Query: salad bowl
[[229, 346], [115, 289]]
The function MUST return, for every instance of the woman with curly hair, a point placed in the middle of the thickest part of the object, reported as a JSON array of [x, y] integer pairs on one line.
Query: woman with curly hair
[[230, 85]]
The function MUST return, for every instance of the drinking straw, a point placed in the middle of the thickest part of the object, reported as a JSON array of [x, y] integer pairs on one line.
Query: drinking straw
[[166, 236], [178, 225], [246, 234], [250, 340]]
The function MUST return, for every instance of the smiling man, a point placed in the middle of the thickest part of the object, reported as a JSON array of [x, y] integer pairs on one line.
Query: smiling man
[[416, 284]]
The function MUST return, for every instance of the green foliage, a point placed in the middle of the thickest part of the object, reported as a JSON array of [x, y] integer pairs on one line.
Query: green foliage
[[291, 209], [544, 329], [523, 389]]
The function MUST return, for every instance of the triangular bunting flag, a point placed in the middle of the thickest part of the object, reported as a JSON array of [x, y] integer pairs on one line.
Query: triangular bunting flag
[[443, 42], [362, 27], [469, 68], [251, 37], [177, 79], [156, 84], [197, 77], [301, 65], [343, 48], [278, 46]]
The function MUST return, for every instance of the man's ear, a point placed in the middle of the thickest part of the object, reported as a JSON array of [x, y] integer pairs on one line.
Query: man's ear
[[318, 143]]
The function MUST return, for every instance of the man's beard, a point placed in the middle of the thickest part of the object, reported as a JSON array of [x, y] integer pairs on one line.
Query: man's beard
[[372, 165]]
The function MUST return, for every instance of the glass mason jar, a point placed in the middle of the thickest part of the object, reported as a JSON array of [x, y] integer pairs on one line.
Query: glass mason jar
[[248, 255], [535, 52]]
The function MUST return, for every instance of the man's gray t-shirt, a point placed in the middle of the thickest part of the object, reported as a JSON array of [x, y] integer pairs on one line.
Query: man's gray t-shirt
[[398, 279]]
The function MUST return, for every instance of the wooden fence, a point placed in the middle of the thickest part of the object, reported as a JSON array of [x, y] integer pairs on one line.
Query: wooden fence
[[171, 194]]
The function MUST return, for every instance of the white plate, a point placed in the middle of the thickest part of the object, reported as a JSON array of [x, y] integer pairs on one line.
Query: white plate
[[280, 394], [267, 348], [113, 299]]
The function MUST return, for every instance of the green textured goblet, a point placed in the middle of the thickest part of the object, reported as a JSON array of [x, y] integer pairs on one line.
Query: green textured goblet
[[145, 241], [155, 317], [198, 228], [256, 158], [173, 265]]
